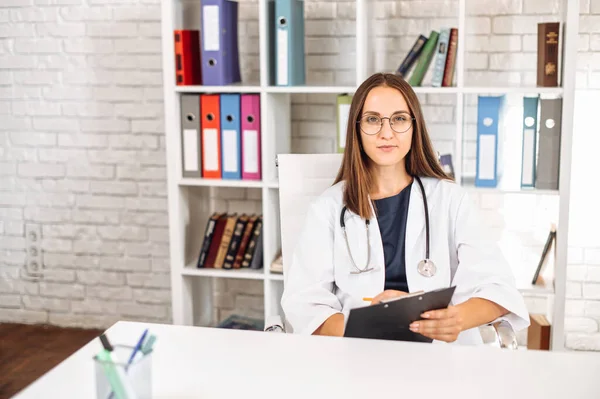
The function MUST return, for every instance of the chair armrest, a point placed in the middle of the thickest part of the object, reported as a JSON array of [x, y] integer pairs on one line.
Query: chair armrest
[[274, 324], [499, 334]]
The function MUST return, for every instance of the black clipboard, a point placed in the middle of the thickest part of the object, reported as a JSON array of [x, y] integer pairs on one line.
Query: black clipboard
[[391, 320]]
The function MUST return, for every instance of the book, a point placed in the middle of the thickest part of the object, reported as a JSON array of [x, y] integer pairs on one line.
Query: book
[[411, 57], [440, 58], [236, 239], [538, 333], [244, 242], [239, 322], [547, 54], [416, 78], [543, 275], [448, 78], [252, 243], [215, 241], [225, 240], [208, 235]]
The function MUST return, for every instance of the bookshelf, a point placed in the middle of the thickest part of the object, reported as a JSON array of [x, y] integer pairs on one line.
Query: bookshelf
[[191, 200]]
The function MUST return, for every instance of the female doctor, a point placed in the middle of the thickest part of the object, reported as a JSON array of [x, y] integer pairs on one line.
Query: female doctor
[[392, 223]]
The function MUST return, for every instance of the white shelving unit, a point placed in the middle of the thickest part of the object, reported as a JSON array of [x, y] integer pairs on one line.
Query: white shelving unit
[[191, 287]]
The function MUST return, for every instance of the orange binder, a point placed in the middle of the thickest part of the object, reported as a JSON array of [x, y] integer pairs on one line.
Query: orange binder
[[211, 136]]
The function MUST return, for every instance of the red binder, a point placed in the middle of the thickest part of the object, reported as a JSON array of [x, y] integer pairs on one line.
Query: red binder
[[187, 58], [250, 110], [211, 135]]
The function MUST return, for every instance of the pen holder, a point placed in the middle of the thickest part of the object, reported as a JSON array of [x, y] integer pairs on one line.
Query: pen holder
[[135, 377]]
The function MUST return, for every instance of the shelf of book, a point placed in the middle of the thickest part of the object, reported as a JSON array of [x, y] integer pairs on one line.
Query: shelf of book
[[277, 110]]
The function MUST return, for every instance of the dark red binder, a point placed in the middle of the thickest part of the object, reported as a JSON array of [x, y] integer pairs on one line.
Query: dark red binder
[[187, 58]]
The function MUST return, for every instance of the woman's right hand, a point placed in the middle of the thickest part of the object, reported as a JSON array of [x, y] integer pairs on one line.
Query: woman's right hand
[[386, 295]]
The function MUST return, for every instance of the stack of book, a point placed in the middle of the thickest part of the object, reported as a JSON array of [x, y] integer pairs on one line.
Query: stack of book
[[440, 45], [232, 241]]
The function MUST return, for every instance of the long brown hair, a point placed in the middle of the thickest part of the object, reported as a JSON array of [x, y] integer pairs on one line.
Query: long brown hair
[[421, 159]]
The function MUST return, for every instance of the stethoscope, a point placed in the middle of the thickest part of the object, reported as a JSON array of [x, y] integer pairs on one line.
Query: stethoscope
[[426, 267]]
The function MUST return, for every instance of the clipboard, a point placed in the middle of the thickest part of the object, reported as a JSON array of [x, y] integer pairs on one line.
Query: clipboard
[[390, 320]]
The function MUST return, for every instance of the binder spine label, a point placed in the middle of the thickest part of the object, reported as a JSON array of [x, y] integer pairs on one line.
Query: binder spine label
[[230, 159], [190, 148], [487, 163], [211, 160], [527, 178], [251, 151], [344, 113], [210, 25], [282, 57]]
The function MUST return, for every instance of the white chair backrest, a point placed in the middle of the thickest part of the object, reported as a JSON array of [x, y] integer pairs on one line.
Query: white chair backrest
[[302, 178]]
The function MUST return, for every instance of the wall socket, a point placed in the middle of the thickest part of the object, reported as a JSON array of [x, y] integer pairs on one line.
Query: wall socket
[[33, 240]]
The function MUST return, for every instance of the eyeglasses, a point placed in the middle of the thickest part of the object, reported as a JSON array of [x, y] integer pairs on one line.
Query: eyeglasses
[[400, 122]]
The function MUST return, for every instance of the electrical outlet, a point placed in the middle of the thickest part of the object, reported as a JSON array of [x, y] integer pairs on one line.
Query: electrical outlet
[[33, 239]]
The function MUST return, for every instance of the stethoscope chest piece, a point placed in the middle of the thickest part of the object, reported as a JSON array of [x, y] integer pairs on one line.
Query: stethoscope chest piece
[[427, 268]]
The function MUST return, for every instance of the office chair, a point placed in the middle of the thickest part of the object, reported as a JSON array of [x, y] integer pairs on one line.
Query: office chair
[[303, 177]]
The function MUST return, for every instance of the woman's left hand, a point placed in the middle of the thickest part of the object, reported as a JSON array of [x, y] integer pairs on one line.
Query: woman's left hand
[[441, 325]]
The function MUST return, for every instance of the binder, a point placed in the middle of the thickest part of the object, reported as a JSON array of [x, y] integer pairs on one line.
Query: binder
[[187, 57], [231, 153], [549, 144], [440, 58], [211, 136], [290, 60], [272, 42], [529, 148], [251, 137], [191, 149], [220, 48], [343, 113], [489, 148]]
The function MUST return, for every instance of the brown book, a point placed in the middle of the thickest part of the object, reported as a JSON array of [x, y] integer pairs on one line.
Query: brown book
[[225, 240], [236, 239], [538, 333], [244, 242], [215, 243], [253, 243], [450, 58], [547, 54]]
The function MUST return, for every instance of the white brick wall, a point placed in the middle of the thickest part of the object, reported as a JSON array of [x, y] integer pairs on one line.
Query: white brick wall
[[82, 146]]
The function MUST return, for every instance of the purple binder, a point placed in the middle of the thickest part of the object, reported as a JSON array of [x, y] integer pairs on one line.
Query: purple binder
[[220, 51]]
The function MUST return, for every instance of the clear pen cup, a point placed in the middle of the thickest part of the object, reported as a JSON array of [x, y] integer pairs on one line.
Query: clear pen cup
[[138, 374]]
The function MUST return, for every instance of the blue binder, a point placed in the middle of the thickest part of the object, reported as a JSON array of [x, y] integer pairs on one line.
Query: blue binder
[[220, 49], [289, 42], [529, 148], [231, 138], [488, 165]]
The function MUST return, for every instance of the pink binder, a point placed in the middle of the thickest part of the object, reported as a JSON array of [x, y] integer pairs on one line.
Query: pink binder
[[251, 154]]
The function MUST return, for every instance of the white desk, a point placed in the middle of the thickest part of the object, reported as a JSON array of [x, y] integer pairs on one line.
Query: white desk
[[192, 362]]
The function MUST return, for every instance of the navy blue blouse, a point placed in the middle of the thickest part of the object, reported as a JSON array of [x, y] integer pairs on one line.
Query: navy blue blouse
[[392, 213]]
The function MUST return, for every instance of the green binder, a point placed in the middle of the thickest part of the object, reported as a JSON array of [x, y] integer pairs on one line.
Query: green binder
[[343, 112], [424, 59]]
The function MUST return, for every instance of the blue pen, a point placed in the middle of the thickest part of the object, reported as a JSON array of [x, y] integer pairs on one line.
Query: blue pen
[[137, 348]]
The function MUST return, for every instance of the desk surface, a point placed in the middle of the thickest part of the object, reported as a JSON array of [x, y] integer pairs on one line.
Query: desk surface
[[215, 363]]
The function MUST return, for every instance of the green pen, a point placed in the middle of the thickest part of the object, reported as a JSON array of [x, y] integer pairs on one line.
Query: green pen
[[116, 380]]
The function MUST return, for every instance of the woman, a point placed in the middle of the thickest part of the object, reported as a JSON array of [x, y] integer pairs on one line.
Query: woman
[[388, 157]]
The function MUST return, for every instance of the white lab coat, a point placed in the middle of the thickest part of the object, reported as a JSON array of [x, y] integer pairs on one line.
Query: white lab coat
[[319, 283]]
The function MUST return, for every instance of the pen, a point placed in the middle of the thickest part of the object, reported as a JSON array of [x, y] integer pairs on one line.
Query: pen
[[116, 377], [136, 348], [368, 299]]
